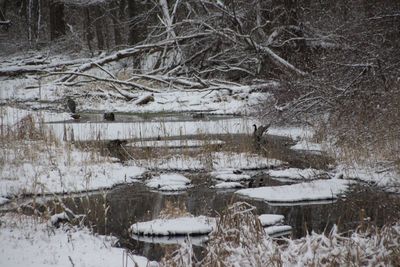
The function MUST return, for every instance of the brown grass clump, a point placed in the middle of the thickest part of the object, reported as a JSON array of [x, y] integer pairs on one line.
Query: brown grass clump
[[174, 210]]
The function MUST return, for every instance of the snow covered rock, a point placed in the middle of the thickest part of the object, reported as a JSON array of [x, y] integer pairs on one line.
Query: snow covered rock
[[200, 225], [169, 182], [307, 191]]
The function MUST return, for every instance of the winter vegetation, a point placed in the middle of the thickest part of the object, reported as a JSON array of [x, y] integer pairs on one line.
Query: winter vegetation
[[199, 133]]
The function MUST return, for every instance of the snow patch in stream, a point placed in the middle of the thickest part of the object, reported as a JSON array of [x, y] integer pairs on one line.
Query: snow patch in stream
[[296, 174], [307, 191], [169, 182], [200, 225]]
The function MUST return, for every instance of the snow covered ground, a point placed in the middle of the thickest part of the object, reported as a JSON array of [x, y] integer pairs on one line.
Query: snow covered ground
[[62, 170], [307, 191], [29, 241]]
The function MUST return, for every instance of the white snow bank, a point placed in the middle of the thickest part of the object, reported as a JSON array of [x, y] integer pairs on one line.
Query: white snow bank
[[270, 219], [277, 230], [28, 241], [308, 191], [10, 115], [228, 175], [307, 146], [67, 171], [175, 143], [149, 129], [169, 182], [244, 161], [296, 174], [228, 185], [177, 226]]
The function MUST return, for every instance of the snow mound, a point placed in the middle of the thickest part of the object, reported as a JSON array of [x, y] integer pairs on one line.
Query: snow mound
[[277, 230], [228, 185], [304, 145], [296, 174], [307, 191], [200, 225], [169, 182], [270, 219]]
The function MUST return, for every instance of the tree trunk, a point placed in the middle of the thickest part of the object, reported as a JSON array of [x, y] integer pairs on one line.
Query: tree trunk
[[99, 27], [57, 21]]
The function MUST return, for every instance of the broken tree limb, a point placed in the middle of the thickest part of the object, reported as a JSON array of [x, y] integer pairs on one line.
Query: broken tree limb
[[101, 79]]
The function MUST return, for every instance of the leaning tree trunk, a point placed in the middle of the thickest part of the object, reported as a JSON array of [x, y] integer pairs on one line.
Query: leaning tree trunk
[[57, 21]]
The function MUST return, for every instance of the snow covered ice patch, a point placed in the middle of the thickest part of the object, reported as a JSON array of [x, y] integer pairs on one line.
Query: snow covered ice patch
[[277, 230], [200, 225], [169, 182], [307, 191]]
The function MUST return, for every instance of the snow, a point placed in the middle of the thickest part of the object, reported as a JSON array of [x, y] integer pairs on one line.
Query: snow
[[277, 230], [307, 191], [30, 241], [305, 145], [61, 170], [228, 185], [270, 219], [228, 175], [169, 182], [200, 225], [175, 143], [296, 174]]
